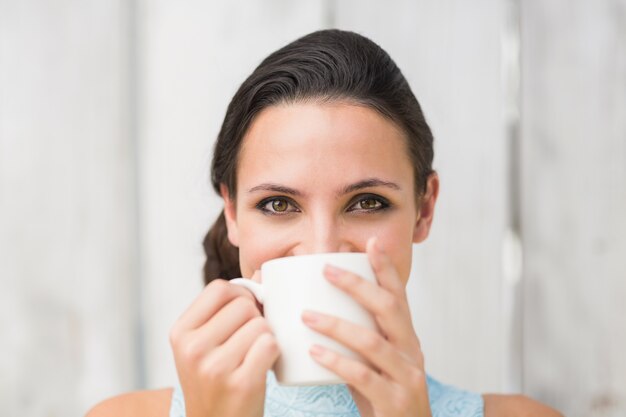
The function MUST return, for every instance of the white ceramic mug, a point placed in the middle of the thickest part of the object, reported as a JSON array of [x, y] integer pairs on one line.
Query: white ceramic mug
[[297, 283]]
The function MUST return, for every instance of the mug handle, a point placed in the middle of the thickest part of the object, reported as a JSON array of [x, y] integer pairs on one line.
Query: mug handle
[[254, 287]]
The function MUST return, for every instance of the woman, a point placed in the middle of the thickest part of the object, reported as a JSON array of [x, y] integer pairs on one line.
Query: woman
[[324, 148]]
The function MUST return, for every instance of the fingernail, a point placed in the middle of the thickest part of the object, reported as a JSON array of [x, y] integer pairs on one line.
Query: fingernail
[[378, 246], [375, 244], [332, 272], [317, 351], [310, 318]]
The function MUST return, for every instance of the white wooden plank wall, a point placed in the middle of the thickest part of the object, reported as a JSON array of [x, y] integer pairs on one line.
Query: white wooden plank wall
[[67, 207], [108, 113], [574, 204]]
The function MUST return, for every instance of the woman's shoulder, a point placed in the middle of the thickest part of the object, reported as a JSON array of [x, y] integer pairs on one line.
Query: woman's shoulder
[[153, 403], [499, 405]]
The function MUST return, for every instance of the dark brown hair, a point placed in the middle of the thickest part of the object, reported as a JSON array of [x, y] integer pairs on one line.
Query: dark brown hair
[[324, 66]]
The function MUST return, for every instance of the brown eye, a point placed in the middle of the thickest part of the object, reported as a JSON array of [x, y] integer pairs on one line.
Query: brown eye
[[279, 205], [369, 204]]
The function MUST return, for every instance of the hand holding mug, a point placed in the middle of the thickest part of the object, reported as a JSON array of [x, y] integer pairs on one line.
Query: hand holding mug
[[392, 382], [223, 348]]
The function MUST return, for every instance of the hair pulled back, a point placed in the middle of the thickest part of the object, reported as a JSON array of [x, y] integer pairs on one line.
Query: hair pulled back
[[324, 66]]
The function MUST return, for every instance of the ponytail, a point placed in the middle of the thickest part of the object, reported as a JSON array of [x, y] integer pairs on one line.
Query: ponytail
[[222, 258]]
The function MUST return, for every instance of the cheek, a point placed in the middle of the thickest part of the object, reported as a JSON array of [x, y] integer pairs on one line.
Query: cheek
[[252, 254], [258, 244], [398, 245]]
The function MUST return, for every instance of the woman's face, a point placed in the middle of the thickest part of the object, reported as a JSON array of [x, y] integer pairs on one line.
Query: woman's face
[[317, 178]]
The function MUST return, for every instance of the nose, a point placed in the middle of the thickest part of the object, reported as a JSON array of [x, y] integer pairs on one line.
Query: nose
[[324, 236]]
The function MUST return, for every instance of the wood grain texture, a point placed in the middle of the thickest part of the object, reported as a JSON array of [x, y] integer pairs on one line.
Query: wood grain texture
[[108, 114], [67, 245], [450, 53], [574, 200]]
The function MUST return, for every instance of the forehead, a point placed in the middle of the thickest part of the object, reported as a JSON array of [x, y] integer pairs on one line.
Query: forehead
[[324, 140]]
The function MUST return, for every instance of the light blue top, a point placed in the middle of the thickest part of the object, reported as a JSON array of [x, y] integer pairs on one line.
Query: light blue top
[[336, 401]]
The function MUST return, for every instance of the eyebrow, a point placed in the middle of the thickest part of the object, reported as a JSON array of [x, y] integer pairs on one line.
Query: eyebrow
[[275, 188], [367, 183]]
